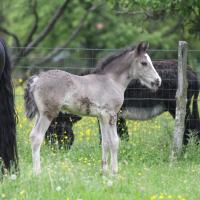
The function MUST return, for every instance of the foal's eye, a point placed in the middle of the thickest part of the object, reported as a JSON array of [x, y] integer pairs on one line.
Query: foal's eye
[[144, 63]]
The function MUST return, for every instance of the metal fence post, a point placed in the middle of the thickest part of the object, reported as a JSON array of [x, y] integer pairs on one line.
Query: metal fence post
[[181, 100]]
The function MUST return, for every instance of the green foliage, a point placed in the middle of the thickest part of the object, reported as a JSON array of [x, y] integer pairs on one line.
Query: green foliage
[[188, 11], [114, 24], [118, 30]]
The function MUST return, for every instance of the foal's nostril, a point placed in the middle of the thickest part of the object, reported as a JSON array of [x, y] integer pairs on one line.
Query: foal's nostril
[[152, 84], [157, 82]]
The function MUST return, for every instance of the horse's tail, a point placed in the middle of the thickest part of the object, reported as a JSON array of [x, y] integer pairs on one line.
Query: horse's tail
[[196, 88], [8, 117], [195, 111], [30, 106]]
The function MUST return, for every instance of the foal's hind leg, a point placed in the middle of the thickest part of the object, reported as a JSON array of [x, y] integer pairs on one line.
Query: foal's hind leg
[[36, 138]]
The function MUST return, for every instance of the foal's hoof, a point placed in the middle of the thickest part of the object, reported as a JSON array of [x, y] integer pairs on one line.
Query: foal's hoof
[[36, 172], [114, 172], [104, 168], [104, 171]]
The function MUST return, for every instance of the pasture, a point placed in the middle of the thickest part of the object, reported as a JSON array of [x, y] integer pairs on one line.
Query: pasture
[[74, 36], [144, 168]]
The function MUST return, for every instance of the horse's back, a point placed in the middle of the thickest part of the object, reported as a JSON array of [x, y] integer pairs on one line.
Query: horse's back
[[50, 88], [54, 81]]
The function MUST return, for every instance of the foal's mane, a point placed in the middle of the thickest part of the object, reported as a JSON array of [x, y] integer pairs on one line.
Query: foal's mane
[[103, 63]]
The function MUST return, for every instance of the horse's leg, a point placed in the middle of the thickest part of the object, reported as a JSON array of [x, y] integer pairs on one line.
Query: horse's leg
[[104, 144], [122, 129], [70, 139], [188, 121], [110, 141], [113, 143], [99, 127], [36, 138], [60, 134], [49, 134], [172, 111], [68, 135]]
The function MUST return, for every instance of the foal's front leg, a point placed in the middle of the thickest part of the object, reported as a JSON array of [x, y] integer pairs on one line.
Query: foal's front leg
[[110, 141], [113, 143], [36, 138], [104, 144]]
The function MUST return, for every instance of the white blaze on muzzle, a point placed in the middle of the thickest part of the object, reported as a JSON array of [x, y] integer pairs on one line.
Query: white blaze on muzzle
[[156, 80]]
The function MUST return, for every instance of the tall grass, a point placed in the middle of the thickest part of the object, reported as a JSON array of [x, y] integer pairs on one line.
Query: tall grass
[[144, 168]]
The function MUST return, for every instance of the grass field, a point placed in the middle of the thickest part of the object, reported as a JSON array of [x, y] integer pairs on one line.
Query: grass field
[[145, 172]]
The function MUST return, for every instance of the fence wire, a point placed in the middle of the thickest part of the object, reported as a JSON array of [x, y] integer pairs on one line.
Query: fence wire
[[78, 60]]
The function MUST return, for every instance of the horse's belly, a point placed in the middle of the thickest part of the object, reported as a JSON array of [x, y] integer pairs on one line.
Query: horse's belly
[[83, 107], [136, 113], [93, 112]]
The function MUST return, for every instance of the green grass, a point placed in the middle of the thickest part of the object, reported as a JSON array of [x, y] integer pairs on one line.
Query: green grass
[[144, 168]]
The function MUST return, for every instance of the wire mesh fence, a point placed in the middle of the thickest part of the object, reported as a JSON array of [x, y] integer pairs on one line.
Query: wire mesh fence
[[144, 101], [77, 59]]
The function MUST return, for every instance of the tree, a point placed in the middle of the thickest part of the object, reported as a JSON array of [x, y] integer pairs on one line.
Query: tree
[[95, 24], [39, 26]]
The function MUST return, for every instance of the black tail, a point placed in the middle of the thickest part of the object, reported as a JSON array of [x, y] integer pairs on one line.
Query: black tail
[[194, 121], [8, 146], [30, 105], [195, 110]]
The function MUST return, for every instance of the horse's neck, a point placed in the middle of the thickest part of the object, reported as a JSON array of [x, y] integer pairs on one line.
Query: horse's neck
[[120, 72], [122, 77]]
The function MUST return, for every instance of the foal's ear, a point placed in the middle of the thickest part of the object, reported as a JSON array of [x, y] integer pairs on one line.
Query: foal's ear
[[142, 47]]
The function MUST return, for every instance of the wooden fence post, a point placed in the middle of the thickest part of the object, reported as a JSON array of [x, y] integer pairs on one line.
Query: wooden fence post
[[181, 100]]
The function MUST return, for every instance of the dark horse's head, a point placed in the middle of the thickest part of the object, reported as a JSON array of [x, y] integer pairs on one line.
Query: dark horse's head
[[8, 147]]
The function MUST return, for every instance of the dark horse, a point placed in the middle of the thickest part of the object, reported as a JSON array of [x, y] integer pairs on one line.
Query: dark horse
[[142, 104], [8, 146], [61, 130]]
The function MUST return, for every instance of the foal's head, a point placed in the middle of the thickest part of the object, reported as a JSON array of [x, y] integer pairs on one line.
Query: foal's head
[[143, 68]]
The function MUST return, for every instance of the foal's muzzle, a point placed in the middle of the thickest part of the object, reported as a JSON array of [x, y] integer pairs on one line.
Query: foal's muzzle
[[156, 84]]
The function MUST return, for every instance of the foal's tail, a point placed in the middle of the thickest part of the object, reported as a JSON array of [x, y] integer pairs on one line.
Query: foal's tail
[[30, 106]]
